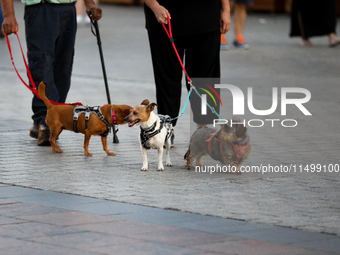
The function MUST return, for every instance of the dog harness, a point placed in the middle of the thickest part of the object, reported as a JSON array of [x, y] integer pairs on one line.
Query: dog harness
[[147, 133], [238, 148], [88, 110]]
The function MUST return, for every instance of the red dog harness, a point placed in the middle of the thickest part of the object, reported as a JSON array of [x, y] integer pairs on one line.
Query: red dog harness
[[239, 149]]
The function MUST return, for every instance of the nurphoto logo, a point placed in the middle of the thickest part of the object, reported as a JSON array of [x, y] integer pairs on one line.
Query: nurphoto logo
[[239, 101]]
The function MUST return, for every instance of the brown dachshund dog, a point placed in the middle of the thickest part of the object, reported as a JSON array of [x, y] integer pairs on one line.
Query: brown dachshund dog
[[60, 117]]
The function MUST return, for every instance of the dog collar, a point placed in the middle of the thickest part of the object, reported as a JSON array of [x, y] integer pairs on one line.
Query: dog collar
[[113, 116], [239, 143], [149, 129]]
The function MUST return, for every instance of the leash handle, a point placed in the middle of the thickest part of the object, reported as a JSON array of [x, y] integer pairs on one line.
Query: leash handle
[[169, 34], [34, 88]]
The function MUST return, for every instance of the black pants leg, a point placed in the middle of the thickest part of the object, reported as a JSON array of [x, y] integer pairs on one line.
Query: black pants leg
[[50, 36], [201, 53]]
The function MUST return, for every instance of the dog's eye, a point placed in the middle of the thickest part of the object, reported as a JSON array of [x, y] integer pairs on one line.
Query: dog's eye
[[135, 113]]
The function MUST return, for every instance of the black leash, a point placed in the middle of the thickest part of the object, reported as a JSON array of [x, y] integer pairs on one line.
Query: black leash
[[96, 33]]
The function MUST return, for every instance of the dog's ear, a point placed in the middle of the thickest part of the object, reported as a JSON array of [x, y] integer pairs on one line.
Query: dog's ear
[[145, 102], [150, 107], [240, 130]]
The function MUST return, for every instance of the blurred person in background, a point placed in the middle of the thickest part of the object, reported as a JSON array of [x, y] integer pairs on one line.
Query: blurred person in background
[[240, 17], [314, 18]]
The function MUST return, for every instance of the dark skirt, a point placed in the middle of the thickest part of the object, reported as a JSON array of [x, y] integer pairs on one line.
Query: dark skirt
[[312, 18]]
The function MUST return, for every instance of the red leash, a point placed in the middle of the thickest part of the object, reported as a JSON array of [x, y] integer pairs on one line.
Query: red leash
[[169, 33], [34, 89]]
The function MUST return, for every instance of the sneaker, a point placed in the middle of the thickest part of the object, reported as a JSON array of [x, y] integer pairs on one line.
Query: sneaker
[[224, 45], [241, 45]]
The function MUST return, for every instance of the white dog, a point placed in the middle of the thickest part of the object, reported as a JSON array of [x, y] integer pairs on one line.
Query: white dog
[[156, 131]]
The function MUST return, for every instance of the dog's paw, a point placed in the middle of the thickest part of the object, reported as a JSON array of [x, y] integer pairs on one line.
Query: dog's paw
[[55, 150], [88, 154], [160, 169], [111, 154], [144, 169], [169, 164]]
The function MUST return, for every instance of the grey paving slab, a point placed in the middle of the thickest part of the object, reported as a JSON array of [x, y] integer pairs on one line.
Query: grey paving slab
[[145, 248], [331, 244], [7, 220], [284, 235], [20, 209], [42, 249], [168, 230], [15, 191], [34, 229]]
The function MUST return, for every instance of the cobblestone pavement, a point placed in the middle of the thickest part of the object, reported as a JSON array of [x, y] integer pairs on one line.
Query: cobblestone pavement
[[44, 222], [307, 201]]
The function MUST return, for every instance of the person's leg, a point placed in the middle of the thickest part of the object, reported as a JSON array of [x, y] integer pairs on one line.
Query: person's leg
[[202, 60], [333, 40], [167, 74], [240, 17], [304, 39], [80, 9], [64, 50], [41, 27]]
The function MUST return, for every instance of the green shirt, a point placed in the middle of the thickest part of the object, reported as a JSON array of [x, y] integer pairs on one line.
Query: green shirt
[[31, 2]]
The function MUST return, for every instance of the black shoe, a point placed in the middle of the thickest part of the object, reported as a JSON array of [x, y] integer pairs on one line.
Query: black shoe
[[44, 135], [34, 131]]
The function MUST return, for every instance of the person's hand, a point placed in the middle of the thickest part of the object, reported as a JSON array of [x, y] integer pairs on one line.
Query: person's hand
[[161, 14], [225, 22], [94, 12], [9, 25]]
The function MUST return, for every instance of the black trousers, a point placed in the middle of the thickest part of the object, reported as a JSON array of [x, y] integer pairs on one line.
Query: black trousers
[[201, 54], [50, 37]]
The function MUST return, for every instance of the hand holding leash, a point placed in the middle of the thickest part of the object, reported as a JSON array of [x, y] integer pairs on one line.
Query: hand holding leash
[[94, 12]]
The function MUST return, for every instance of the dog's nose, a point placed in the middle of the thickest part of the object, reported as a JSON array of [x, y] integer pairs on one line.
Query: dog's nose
[[126, 118]]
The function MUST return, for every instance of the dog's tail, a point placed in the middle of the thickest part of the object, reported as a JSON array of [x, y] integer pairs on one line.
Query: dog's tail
[[41, 90]]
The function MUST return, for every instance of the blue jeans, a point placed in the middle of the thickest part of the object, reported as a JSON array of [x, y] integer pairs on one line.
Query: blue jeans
[[1, 17], [50, 37]]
